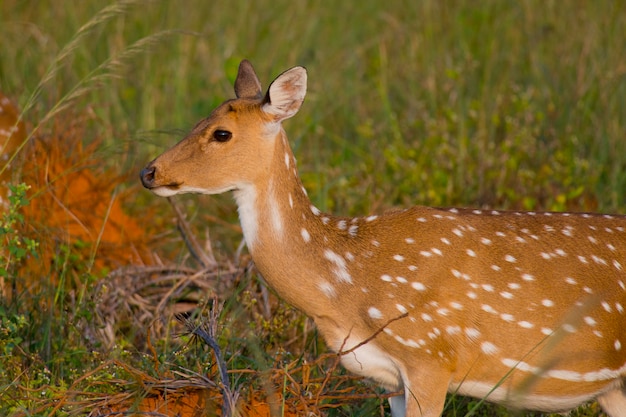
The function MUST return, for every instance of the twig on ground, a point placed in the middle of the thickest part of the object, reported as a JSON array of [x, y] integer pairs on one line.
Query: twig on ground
[[207, 331], [204, 257]]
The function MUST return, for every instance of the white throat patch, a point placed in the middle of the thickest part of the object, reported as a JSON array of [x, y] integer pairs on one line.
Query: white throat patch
[[245, 196]]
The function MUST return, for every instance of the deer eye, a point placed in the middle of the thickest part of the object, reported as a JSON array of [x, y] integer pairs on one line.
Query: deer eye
[[222, 135]]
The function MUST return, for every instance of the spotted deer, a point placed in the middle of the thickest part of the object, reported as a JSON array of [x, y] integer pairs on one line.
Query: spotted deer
[[526, 309]]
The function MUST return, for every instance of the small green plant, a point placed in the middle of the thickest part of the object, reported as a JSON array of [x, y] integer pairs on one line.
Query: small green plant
[[14, 247]]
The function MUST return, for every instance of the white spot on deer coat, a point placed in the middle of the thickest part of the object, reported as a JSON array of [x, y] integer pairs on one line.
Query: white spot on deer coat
[[590, 321], [598, 260], [472, 333], [305, 235], [456, 306], [452, 330], [374, 313], [546, 331], [569, 328], [340, 270], [488, 309], [488, 348], [510, 258], [327, 288], [507, 317]]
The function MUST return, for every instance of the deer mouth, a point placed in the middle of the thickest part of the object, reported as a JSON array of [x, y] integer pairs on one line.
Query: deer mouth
[[166, 190]]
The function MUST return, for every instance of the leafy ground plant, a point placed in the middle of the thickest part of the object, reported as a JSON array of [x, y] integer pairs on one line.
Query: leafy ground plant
[[17, 247]]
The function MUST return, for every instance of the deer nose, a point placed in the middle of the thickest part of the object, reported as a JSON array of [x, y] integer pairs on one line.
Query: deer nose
[[147, 176]]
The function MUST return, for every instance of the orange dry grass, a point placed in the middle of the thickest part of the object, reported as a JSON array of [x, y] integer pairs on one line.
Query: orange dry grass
[[188, 403], [75, 204], [75, 212], [12, 135], [75, 197]]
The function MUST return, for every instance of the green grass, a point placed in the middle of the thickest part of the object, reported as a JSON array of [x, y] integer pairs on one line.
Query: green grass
[[490, 104]]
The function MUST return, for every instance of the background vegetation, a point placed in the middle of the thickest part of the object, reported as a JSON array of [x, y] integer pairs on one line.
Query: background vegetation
[[483, 104]]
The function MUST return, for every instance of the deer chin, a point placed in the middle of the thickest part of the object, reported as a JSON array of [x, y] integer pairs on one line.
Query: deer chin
[[165, 191], [171, 190]]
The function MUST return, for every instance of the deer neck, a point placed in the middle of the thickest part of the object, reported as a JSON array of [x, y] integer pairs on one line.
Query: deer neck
[[285, 234]]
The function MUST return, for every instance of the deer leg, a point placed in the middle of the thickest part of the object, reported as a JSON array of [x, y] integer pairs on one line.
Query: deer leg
[[425, 389], [398, 406], [614, 402]]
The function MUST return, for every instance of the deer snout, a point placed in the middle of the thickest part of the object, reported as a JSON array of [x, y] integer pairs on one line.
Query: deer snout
[[147, 176]]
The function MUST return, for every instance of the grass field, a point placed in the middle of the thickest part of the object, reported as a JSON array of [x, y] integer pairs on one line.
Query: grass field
[[510, 105]]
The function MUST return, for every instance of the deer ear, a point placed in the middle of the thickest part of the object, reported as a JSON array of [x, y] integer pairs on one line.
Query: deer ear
[[247, 84], [286, 94]]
